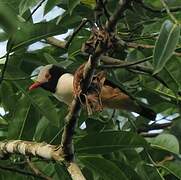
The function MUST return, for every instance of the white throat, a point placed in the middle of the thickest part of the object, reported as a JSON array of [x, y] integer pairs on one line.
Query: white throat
[[64, 89]]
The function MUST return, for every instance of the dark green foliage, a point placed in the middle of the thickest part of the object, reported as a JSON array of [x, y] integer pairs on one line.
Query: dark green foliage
[[107, 144]]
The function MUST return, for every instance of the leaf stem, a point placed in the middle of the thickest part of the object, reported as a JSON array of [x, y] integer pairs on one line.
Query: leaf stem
[[168, 12]]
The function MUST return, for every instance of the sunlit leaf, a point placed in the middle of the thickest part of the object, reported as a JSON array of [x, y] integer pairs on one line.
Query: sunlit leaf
[[165, 45], [166, 142]]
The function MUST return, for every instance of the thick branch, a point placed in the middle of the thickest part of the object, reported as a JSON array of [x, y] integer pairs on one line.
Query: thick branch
[[43, 150], [71, 118]]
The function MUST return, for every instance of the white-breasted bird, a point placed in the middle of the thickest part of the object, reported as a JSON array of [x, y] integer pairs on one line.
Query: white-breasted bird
[[60, 82]]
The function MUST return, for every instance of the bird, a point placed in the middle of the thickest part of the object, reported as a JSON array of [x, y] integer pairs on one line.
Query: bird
[[59, 81]]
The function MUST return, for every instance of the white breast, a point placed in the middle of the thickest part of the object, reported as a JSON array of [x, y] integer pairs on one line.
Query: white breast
[[64, 89]]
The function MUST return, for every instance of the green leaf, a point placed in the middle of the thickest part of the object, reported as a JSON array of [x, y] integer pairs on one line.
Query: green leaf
[[166, 142], [165, 44], [174, 167], [128, 170], [16, 127], [29, 33], [109, 141], [38, 98], [91, 3], [72, 4], [148, 172], [50, 59], [49, 5], [8, 18], [41, 127], [62, 172], [25, 5], [104, 168]]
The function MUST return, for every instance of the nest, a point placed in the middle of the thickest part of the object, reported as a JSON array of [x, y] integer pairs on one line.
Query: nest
[[91, 99]]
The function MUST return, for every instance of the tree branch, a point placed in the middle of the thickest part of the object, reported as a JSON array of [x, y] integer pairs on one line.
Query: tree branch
[[83, 22], [43, 150], [123, 64], [56, 42], [133, 66], [20, 171], [146, 46], [71, 118], [111, 23]]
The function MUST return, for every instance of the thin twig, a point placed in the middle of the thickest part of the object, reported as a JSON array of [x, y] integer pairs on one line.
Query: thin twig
[[20, 171], [125, 64], [83, 22], [20, 78], [115, 63], [123, 5], [38, 6], [168, 12], [145, 46], [6, 62], [105, 9]]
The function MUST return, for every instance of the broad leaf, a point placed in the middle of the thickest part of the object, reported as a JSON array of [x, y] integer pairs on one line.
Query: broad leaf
[[106, 142], [72, 4], [29, 33], [104, 168], [174, 167], [25, 5], [62, 172], [165, 45], [17, 125], [49, 5], [166, 142], [38, 98]]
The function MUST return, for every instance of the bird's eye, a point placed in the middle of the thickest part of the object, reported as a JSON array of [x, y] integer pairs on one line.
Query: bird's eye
[[47, 76]]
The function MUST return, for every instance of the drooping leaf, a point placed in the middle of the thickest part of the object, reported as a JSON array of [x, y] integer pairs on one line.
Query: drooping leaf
[[8, 17], [16, 127], [128, 170], [166, 142], [25, 5], [49, 5], [109, 141], [29, 33], [90, 3], [72, 4], [148, 172], [62, 172], [165, 44], [174, 167], [38, 98], [105, 169]]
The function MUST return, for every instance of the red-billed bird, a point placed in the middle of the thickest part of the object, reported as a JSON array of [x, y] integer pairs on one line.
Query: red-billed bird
[[60, 82]]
